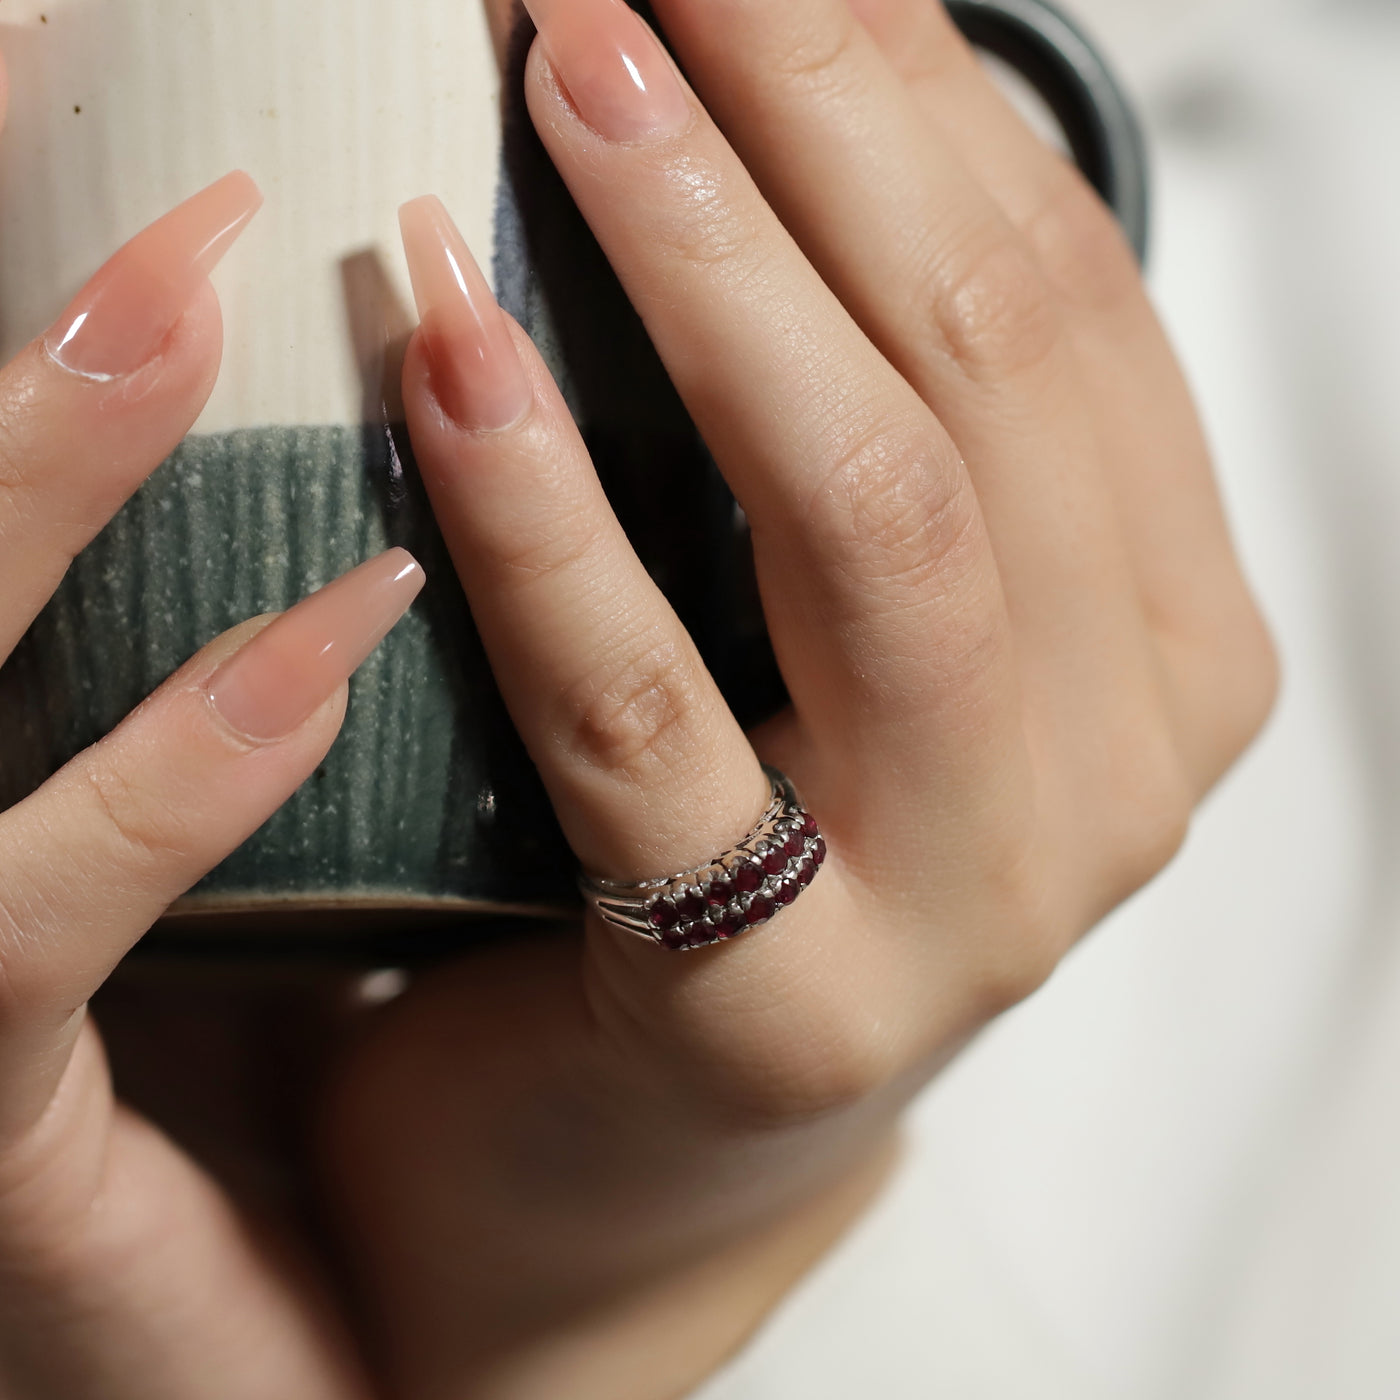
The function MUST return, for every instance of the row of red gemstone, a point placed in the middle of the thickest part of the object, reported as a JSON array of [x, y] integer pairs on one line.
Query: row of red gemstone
[[753, 888]]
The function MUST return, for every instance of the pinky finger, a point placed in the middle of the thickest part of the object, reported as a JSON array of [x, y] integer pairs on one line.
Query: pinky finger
[[92, 858]]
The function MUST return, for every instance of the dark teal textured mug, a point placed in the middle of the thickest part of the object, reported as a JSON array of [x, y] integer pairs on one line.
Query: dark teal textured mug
[[427, 822]]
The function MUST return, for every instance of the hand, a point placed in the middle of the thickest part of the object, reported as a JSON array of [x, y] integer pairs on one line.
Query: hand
[[125, 1272], [1004, 600]]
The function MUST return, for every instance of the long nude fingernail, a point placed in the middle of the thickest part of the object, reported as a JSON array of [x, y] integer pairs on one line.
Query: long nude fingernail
[[612, 67], [119, 319], [476, 371], [292, 667]]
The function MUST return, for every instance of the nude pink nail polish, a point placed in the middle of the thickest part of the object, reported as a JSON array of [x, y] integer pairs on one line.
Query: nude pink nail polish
[[476, 371], [119, 319], [611, 65], [284, 674]]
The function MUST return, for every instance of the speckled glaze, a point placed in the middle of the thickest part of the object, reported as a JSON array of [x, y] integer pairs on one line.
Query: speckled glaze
[[427, 797]]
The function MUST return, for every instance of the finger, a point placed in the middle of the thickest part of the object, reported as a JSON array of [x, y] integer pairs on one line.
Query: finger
[[1161, 481], [929, 266], [881, 594], [645, 764], [646, 767], [93, 857], [951, 88], [93, 405]]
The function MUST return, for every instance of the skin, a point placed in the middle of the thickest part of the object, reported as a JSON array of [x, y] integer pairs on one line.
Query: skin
[[993, 561]]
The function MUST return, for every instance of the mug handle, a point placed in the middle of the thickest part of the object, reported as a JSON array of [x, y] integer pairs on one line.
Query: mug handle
[[1056, 57]]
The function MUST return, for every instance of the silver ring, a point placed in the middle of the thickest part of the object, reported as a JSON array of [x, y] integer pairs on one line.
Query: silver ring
[[744, 886]]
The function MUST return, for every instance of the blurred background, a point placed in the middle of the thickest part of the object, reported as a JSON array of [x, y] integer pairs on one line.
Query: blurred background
[[1175, 1172]]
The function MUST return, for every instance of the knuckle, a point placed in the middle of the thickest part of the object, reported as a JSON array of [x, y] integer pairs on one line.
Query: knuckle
[[1012, 968], [701, 227], [823, 1074], [1150, 815], [27, 984], [1026, 938], [819, 61], [937, 55], [1246, 680], [895, 513], [13, 999], [1230, 674], [17, 491], [992, 314], [531, 556], [818, 1050], [1259, 679], [635, 713], [139, 823], [1081, 246]]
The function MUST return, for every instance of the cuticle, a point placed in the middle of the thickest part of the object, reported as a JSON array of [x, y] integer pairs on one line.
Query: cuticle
[[91, 376], [250, 742], [476, 431]]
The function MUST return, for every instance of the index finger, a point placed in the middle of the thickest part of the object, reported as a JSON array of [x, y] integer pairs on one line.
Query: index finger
[[93, 857]]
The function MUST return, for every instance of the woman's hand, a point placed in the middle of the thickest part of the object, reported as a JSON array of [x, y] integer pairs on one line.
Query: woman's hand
[[124, 1270], [1005, 603]]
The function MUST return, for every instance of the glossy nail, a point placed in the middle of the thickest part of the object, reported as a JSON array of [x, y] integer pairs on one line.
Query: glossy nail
[[118, 321], [611, 65], [289, 670], [476, 371]]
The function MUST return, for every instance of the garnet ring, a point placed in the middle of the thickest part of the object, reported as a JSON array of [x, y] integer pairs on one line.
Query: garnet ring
[[746, 885]]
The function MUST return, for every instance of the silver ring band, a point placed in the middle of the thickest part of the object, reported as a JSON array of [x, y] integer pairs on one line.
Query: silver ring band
[[743, 887]]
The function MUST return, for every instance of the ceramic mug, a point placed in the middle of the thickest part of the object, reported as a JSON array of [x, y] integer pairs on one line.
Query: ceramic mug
[[427, 817]]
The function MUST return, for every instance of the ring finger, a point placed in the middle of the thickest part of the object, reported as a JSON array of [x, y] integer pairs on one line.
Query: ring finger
[[647, 768]]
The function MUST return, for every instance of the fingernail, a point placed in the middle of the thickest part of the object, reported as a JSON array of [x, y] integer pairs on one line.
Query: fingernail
[[476, 371], [288, 671], [612, 67], [118, 321]]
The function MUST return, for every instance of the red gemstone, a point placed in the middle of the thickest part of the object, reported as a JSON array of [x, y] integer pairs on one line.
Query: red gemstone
[[730, 922], [809, 824], [819, 849], [747, 876], [674, 938], [699, 933], [794, 843], [720, 890], [774, 860], [760, 907], [806, 872], [691, 903], [663, 914], [785, 891]]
